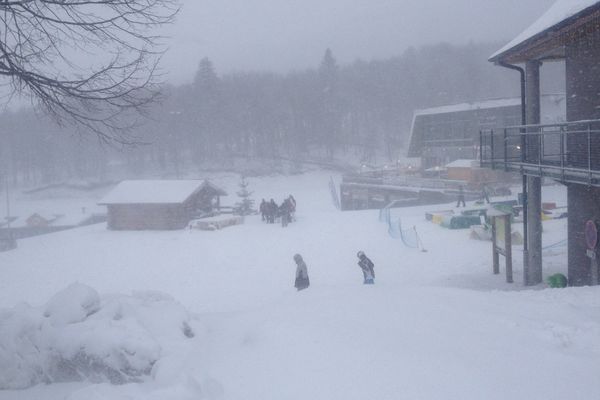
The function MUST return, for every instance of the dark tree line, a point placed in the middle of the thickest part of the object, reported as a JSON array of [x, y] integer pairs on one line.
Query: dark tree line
[[359, 111]]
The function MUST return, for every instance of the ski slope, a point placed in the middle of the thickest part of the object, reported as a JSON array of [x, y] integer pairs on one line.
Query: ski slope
[[436, 325]]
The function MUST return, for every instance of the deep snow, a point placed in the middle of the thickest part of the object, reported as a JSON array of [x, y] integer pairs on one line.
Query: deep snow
[[436, 325]]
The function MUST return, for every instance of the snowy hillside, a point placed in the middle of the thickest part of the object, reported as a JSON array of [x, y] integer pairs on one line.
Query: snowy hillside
[[436, 324]]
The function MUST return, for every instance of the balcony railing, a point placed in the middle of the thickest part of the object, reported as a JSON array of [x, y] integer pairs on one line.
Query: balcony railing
[[568, 152]]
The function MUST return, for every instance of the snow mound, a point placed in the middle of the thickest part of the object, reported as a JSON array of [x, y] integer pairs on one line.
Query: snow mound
[[72, 305], [80, 335]]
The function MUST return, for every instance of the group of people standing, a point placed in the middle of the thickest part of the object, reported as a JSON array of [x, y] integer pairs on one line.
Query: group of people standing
[[461, 196], [366, 265], [270, 211]]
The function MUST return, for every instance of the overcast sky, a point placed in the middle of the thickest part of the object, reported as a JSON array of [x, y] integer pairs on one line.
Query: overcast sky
[[285, 35], [280, 35]]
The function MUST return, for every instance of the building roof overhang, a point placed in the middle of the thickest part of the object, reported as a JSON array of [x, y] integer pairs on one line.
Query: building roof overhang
[[547, 38]]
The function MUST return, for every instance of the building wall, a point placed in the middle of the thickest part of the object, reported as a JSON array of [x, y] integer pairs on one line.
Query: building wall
[[148, 216], [445, 137], [460, 173], [583, 98], [583, 103], [584, 204]]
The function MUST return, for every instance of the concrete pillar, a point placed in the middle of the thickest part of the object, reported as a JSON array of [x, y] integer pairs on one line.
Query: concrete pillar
[[532, 273]]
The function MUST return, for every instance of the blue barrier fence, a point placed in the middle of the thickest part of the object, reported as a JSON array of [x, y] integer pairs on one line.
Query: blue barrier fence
[[334, 194], [409, 237]]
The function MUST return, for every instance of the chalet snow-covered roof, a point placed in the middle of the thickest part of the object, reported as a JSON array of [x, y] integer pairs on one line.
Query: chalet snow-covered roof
[[156, 191], [45, 216], [214, 187], [561, 11]]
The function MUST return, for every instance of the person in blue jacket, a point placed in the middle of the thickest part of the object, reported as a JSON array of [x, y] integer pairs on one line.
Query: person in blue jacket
[[367, 267]]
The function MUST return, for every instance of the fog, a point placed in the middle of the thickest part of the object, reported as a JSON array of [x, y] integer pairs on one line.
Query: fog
[[277, 35], [295, 200], [267, 79]]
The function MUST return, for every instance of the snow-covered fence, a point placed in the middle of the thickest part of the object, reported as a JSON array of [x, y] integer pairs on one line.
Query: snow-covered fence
[[334, 194], [409, 237]]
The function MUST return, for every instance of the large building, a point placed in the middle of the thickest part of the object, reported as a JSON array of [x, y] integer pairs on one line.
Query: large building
[[568, 152], [444, 134]]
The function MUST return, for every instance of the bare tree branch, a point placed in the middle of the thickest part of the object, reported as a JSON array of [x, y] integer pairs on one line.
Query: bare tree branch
[[93, 63]]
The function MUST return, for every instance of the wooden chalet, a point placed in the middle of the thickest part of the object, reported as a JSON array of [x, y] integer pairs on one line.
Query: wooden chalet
[[38, 220], [159, 204]]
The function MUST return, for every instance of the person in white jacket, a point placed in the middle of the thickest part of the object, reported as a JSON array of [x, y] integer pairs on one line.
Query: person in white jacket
[[302, 281]]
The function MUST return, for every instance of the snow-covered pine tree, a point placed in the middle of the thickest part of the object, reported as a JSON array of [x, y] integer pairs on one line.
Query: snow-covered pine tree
[[246, 205]]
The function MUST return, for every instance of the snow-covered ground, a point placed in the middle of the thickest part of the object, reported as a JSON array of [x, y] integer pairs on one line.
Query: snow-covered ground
[[436, 325]]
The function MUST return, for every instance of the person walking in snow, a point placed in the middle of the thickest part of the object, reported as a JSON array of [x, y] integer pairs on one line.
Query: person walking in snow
[[484, 194], [272, 211], [292, 201], [263, 210], [301, 282], [461, 196], [367, 267], [285, 211]]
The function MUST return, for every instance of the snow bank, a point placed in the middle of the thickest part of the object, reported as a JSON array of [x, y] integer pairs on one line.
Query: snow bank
[[80, 335], [72, 305]]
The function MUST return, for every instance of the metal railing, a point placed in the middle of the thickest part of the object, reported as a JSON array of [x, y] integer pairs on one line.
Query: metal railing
[[568, 152]]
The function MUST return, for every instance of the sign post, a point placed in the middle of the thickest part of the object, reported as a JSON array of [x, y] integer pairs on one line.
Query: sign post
[[591, 241], [501, 242]]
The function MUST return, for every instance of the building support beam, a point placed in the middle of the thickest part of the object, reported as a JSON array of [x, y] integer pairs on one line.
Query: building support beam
[[532, 272]]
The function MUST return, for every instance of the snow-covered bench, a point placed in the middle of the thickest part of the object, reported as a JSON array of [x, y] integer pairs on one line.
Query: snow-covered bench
[[216, 223]]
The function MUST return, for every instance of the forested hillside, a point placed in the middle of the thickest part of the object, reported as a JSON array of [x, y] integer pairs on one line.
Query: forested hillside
[[360, 112]]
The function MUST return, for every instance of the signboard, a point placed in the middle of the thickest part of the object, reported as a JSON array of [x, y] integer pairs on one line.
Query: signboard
[[591, 234], [501, 243], [501, 235]]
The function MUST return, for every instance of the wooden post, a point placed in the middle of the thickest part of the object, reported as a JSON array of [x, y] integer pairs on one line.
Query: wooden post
[[496, 257], [594, 272], [508, 249]]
